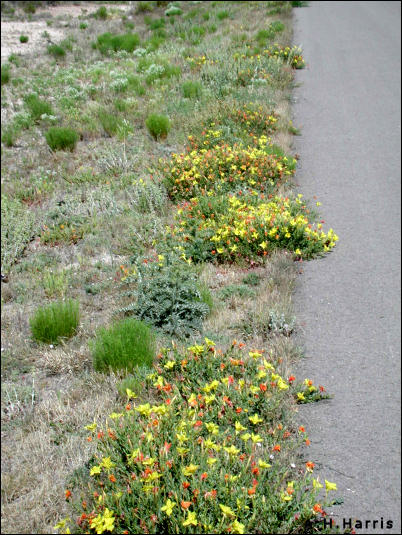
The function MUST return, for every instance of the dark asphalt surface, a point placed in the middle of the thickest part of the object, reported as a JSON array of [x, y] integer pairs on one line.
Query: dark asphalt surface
[[348, 304]]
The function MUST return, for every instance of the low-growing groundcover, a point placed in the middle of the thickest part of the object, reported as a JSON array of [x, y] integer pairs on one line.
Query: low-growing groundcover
[[212, 452]]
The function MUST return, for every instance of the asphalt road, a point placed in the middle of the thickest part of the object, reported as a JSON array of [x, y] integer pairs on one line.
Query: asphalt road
[[348, 304]]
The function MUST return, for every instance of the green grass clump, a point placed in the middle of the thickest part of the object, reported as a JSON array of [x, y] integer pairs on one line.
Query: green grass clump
[[124, 345], [110, 122], [24, 38], [57, 51], [154, 24], [83, 26], [158, 125], [5, 74], [172, 11], [107, 42], [9, 136], [59, 138], [191, 89], [221, 15], [58, 320], [29, 8], [37, 107], [144, 7], [101, 13]]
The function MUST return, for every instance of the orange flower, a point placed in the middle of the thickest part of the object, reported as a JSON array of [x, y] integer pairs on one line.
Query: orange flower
[[68, 494], [89, 439], [185, 484], [222, 366], [277, 447], [111, 434], [128, 407], [308, 442], [101, 434], [198, 423], [322, 389], [185, 505], [286, 434], [204, 476], [317, 508], [239, 410], [112, 478], [251, 491], [291, 378], [310, 466], [280, 426], [263, 387], [255, 471], [301, 429]]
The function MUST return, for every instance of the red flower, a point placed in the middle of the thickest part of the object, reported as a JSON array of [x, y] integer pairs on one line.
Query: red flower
[[301, 429], [68, 494], [204, 476], [277, 447], [263, 387], [185, 484], [291, 379]]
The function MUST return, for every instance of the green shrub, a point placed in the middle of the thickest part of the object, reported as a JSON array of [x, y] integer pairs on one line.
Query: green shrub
[[37, 107], [5, 74], [56, 50], [59, 138], [123, 346], [222, 14], [17, 229], [168, 296], [110, 122], [24, 38], [58, 320], [83, 26], [29, 8], [143, 7], [172, 11], [101, 13], [191, 89], [154, 24], [9, 136], [158, 125], [252, 279], [107, 42]]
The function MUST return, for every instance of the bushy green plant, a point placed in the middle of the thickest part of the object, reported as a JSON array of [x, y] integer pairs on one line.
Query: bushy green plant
[[29, 8], [5, 74], [173, 11], [191, 89], [110, 122], [9, 136], [83, 25], [144, 7], [221, 15], [123, 346], [24, 38], [17, 229], [60, 138], [166, 294], [55, 321], [57, 51], [101, 13], [154, 24], [252, 279], [107, 42], [37, 107], [158, 125]]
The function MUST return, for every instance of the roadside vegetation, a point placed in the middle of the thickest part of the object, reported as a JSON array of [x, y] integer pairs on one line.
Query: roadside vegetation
[[151, 238]]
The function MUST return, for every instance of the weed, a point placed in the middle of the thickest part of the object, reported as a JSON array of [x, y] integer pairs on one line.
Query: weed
[[191, 89], [9, 136], [221, 15], [136, 384], [107, 42], [123, 346], [167, 295], [58, 320], [29, 8], [57, 51], [110, 122], [101, 13], [83, 25], [158, 125], [252, 279], [17, 229], [59, 138], [240, 290], [5, 74], [37, 107], [172, 11], [24, 38], [55, 283]]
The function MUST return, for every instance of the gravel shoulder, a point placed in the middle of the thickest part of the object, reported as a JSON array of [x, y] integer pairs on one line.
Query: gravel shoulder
[[348, 304]]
